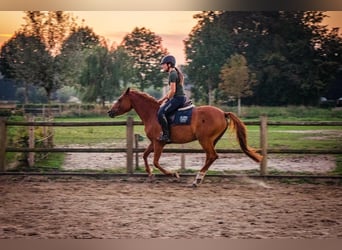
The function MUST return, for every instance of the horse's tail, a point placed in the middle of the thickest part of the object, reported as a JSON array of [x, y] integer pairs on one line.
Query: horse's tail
[[241, 133]]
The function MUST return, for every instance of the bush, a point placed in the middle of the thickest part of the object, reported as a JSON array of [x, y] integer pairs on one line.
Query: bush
[[18, 137]]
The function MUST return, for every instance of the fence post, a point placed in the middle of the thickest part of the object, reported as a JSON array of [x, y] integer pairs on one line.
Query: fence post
[[136, 141], [182, 159], [3, 142], [31, 143], [129, 145], [263, 144]]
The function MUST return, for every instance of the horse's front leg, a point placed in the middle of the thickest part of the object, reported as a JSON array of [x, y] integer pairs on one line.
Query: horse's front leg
[[147, 152], [158, 148]]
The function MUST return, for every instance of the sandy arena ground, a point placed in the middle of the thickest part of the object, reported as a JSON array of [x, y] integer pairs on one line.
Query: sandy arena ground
[[126, 208], [35, 207]]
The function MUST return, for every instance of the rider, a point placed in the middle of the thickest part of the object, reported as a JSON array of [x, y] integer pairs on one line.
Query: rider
[[175, 98]]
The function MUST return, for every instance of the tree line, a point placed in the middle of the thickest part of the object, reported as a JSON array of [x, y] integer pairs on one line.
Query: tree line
[[264, 58], [289, 57], [51, 51]]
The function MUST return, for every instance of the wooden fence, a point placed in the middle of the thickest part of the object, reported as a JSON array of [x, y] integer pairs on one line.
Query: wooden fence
[[132, 149]]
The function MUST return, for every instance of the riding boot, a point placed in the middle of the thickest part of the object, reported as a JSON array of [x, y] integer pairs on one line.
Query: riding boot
[[165, 137]]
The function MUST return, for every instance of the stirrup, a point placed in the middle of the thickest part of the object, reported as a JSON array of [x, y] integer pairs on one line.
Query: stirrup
[[164, 138]]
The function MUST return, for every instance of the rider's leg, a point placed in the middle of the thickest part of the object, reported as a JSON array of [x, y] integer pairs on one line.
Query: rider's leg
[[165, 127], [164, 124], [167, 109]]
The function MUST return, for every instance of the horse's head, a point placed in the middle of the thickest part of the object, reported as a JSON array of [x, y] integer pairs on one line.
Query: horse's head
[[121, 106]]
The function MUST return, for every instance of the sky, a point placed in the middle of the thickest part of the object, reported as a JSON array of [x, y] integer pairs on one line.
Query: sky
[[172, 26]]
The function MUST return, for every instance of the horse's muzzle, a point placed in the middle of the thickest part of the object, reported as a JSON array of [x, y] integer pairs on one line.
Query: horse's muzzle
[[111, 113]]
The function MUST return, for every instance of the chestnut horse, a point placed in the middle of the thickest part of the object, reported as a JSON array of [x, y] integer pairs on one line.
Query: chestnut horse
[[208, 124]]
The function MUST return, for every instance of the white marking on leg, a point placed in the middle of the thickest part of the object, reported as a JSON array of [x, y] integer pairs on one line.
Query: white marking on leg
[[199, 178]]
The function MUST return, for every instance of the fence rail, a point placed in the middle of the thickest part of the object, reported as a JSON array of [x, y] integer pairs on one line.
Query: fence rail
[[170, 150], [136, 123], [130, 149]]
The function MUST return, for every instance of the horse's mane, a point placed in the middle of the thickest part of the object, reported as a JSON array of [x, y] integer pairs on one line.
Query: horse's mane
[[145, 95]]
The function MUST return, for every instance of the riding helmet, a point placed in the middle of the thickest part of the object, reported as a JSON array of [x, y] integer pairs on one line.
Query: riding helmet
[[168, 59]]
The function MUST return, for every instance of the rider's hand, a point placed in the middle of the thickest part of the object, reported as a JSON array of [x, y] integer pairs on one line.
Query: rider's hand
[[162, 100]]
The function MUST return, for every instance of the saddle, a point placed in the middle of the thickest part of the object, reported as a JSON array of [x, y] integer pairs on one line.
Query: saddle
[[183, 115]]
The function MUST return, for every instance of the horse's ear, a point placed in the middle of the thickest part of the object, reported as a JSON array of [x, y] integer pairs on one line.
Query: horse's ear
[[127, 91]]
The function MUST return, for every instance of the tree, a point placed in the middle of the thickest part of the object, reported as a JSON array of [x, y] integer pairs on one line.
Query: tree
[[52, 28], [236, 79], [122, 67], [96, 75], [206, 51], [293, 56], [21, 59], [146, 49], [38, 45], [104, 74], [74, 51]]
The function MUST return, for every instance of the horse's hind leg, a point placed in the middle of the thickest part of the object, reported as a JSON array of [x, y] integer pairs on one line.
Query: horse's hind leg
[[211, 156]]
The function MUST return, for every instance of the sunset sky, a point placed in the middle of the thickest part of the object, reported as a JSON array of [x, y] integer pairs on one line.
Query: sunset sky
[[172, 26]]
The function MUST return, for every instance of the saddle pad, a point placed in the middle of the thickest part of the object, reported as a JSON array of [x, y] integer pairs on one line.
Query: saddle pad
[[183, 117]]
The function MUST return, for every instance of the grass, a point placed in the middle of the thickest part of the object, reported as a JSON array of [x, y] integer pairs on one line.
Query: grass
[[338, 169], [308, 137], [53, 162], [279, 136], [289, 113], [91, 135], [294, 137]]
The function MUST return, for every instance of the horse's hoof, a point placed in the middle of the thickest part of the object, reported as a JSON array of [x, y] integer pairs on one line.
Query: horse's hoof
[[175, 174], [197, 182], [151, 178]]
